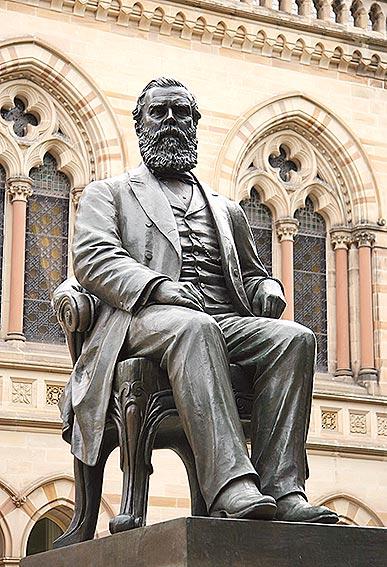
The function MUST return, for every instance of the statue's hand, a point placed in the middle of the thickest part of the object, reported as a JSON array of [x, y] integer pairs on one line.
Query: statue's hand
[[178, 293], [269, 300]]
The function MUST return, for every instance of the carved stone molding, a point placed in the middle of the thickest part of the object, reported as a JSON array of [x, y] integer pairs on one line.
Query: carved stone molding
[[286, 229], [76, 195], [382, 424], [258, 35], [22, 393], [329, 420], [341, 239], [364, 238], [18, 500], [19, 188], [358, 423], [53, 394]]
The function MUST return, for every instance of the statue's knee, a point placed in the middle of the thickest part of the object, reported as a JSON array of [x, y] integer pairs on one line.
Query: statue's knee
[[199, 323], [308, 337], [290, 330]]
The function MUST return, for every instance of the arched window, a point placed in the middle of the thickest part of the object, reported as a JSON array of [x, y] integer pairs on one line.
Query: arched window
[[310, 295], [260, 219], [46, 250], [42, 536], [2, 203]]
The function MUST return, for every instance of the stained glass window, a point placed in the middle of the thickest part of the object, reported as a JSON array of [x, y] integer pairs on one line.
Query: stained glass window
[[310, 295], [260, 219], [2, 203], [46, 250]]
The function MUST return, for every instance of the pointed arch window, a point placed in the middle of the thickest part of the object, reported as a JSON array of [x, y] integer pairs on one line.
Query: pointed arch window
[[310, 278], [261, 222], [2, 211], [46, 250]]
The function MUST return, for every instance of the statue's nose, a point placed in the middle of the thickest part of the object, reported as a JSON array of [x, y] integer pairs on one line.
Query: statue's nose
[[170, 119]]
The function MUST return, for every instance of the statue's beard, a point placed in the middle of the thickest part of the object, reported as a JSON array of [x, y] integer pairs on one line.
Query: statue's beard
[[168, 149]]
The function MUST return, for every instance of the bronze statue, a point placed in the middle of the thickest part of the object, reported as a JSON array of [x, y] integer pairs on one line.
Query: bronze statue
[[176, 271]]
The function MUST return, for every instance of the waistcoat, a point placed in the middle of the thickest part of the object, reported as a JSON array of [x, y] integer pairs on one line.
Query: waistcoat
[[201, 260]]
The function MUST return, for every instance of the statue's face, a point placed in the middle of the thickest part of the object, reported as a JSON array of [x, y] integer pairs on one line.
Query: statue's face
[[167, 134]]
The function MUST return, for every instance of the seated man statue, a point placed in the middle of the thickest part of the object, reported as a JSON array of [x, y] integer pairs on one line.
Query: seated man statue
[[177, 272]]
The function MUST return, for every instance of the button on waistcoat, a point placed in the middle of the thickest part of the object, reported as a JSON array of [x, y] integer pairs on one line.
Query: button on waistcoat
[[201, 260]]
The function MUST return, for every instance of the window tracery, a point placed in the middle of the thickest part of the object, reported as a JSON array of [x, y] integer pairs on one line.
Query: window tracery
[[46, 250], [310, 296], [281, 161], [20, 118]]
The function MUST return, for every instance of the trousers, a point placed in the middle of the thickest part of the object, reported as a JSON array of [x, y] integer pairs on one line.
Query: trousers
[[195, 349]]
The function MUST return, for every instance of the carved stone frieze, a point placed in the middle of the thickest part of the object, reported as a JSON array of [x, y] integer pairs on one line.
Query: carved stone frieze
[[259, 35], [286, 229]]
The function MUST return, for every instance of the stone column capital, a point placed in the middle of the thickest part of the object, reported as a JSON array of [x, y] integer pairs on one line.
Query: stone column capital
[[76, 193], [19, 188], [340, 239], [364, 237], [286, 229]]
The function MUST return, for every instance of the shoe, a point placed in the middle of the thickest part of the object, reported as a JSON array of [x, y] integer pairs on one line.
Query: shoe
[[241, 499], [294, 508]]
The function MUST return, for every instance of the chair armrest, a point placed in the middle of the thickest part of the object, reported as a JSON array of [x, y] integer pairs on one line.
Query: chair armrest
[[74, 307]]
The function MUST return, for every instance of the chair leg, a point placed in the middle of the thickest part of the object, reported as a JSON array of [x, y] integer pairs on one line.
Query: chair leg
[[198, 505], [88, 490], [131, 405]]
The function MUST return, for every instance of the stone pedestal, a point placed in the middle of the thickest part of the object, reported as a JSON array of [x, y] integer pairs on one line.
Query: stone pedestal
[[207, 542]]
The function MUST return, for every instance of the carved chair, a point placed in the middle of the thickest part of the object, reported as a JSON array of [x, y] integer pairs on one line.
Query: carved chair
[[142, 417]]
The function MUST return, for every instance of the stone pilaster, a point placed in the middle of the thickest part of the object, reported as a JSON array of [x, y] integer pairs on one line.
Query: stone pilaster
[[286, 231], [19, 190], [364, 240], [341, 240]]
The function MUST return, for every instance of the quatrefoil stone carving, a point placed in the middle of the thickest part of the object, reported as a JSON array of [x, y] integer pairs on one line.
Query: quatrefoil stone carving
[[20, 118]]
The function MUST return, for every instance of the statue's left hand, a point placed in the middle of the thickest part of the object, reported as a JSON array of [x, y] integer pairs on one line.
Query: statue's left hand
[[269, 300]]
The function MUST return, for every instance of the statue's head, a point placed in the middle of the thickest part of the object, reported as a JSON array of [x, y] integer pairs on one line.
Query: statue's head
[[166, 118]]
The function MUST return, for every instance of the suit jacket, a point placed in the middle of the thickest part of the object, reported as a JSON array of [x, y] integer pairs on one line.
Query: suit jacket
[[126, 242]]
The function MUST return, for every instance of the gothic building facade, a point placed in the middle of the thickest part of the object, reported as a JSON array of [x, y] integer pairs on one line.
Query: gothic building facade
[[293, 98]]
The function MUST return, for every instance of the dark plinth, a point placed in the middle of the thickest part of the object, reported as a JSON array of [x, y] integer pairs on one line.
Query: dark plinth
[[203, 542]]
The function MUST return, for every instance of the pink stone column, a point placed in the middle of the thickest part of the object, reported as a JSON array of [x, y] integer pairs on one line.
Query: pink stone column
[[368, 373], [286, 231], [341, 240], [19, 189]]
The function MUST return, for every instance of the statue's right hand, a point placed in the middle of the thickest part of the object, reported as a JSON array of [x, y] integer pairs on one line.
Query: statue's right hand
[[184, 294]]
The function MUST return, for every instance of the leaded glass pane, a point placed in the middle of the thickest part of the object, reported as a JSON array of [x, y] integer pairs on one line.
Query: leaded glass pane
[[46, 250], [310, 299], [2, 202], [260, 220]]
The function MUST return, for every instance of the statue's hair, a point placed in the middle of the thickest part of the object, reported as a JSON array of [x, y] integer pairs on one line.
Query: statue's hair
[[163, 82]]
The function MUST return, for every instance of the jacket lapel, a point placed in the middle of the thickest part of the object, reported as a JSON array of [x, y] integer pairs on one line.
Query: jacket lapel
[[155, 204], [229, 254], [222, 221]]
